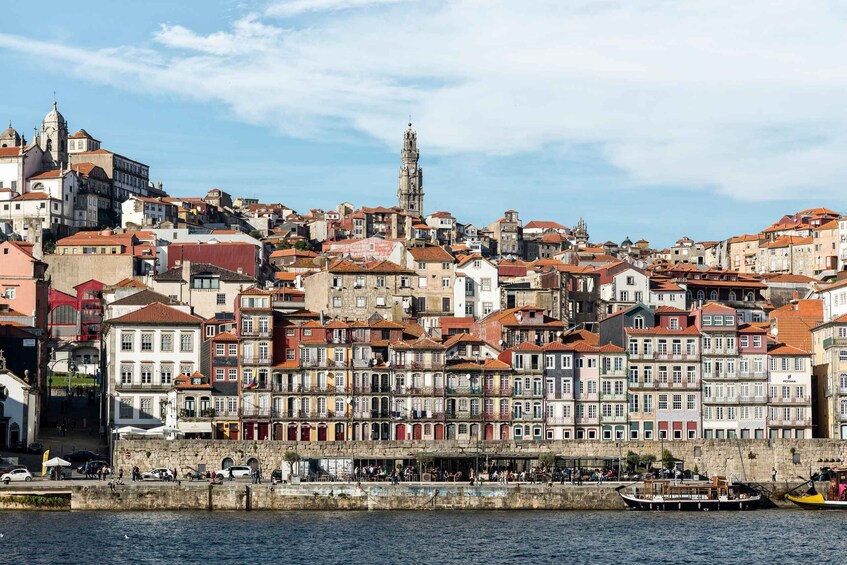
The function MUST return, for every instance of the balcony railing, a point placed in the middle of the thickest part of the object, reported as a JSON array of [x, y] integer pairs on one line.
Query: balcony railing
[[464, 390], [790, 423], [254, 412], [189, 413]]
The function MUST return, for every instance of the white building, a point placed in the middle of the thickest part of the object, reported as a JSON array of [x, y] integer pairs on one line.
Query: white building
[[18, 403], [147, 212], [621, 286], [208, 289], [476, 292], [789, 393], [666, 293], [147, 349]]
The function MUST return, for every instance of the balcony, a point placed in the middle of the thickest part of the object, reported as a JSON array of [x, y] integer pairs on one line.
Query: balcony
[[586, 420], [684, 384], [188, 414], [464, 390], [587, 396], [256, 361], [613, 419], [611, 397], [791, 423], [790, 400], [255, 412], [144, 386], [463, 415], [527, 418], [560, 421], [324, 364], [834, 342], [267, 334]]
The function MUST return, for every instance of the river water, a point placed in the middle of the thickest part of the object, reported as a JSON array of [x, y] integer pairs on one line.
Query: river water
[[94, 538]]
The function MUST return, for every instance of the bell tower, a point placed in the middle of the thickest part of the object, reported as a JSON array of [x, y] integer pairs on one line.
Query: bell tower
[[54, 138], [410, 186]]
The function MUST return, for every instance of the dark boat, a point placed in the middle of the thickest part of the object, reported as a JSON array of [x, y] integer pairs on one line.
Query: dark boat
[[669, 494]]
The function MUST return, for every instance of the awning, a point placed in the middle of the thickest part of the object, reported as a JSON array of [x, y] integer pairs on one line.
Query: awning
[[195, 427]]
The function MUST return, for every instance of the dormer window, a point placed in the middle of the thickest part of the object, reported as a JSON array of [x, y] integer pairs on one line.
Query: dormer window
[[674, 323], [638, 322]]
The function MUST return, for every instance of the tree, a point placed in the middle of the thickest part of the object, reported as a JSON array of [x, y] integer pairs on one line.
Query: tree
[[291, 457], [633, 460], [648, 460], [667, 459], [303, 245], [547, 459], [256, 234]]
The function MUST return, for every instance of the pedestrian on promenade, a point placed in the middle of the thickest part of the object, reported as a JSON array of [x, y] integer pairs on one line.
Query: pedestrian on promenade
[[231, 476], [773, 474]]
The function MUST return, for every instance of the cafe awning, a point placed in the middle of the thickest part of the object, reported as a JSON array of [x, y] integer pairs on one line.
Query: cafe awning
[[195, 427]]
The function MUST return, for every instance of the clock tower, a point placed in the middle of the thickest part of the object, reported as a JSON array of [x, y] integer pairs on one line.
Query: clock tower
[[410, 186]]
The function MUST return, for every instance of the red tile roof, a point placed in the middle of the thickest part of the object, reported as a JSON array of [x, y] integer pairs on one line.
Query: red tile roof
[[158, 313]]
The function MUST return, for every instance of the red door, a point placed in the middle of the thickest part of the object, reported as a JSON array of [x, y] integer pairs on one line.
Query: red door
[[263, 431], [417, 431], [249, 429], [233, 431], [504, 431], [322, 432], [339, 432], [439, 431], [489, 431], [305, 433], [400, 432], [292, 432]]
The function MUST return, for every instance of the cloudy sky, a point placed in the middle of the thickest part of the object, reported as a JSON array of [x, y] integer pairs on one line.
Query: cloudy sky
[[650, 118]]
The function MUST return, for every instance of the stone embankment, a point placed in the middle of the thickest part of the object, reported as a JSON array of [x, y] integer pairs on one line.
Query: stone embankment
[[747, 460]]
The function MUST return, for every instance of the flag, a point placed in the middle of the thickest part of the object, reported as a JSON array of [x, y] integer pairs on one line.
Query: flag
[[44, 459]]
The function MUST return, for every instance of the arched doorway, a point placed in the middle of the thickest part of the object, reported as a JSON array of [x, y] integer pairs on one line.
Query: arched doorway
[[417, 431], [227, 463], [451, 431], [305, 432], [439, 431], [504, 431], [292, 432], [339, 432], [400, 432], [489, 431], [253, 463], [321, 432]]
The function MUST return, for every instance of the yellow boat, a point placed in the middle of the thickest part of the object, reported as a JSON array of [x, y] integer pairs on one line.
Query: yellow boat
[[836, 493]]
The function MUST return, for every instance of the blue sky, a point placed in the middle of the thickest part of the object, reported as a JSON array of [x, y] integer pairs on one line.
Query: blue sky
[[650, 119]]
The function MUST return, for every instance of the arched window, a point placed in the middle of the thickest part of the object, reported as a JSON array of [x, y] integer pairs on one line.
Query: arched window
[[701, 295], [638, 322], [49, 145], [713, 295], [732, 295], [749, 297]]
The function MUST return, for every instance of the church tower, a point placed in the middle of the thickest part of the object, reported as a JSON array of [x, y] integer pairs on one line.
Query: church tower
[[54, 139], [410, 187]]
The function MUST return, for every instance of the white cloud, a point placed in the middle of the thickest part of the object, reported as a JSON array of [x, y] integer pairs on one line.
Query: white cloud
[[745, 98], [291, 8]]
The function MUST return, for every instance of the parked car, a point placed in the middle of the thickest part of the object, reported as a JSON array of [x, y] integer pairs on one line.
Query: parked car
[[35, 447], [158, 474], [8, 468], [237, 471], [92, 467], [82, 456], [276, 474], [16, 475]]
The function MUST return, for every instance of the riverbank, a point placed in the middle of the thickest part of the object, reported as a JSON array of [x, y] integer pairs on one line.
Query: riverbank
[[241, 496]]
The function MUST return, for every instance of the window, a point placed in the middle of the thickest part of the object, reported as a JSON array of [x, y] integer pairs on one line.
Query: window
[[232, 374], [421, 282], [336, 302], [638, 322], [674, 324], [126, 341], [146, 342], [167, 342], [166, 373], [360, 302], [186, 342], [146, 374], [125, 410], [221, 299], [126, 374], [486, 284]]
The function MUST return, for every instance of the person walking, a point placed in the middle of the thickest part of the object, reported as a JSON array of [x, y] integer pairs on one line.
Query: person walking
[[773, 474]]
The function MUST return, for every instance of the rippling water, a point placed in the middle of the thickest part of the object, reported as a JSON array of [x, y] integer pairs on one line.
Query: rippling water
[[93, 538]]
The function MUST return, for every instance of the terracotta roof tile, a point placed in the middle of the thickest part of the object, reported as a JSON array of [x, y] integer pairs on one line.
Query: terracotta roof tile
[[157, 313]]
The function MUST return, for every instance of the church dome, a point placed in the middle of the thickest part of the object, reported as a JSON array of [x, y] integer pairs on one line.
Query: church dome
[[54, 115], [11, 135]]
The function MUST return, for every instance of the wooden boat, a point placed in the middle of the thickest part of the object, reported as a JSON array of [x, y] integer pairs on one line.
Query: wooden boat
[[835, 497], [668, 494]]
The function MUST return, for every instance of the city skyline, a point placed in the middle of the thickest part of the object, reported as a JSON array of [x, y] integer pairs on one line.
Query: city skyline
[[339, 140]]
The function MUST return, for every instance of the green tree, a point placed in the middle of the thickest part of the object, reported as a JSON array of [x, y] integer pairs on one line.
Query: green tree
[[291, 457], [303, 245], [667, 459], [547, 459], [633, 460]]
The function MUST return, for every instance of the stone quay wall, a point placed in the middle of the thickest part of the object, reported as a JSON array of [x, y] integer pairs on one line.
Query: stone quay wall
[[747, 460], [349, 496]]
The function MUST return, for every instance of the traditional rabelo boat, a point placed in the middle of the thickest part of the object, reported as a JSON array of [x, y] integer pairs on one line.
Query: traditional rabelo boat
[[835, 497], [669, 494]]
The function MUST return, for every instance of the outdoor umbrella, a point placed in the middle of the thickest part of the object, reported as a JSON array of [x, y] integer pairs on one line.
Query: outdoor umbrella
[[56, 462]]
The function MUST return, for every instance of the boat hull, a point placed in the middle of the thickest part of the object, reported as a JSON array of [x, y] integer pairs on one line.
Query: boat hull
[[816, 502], [697, 505]]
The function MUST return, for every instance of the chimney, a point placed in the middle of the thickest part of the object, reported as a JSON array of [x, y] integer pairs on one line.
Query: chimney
[[186, 272]]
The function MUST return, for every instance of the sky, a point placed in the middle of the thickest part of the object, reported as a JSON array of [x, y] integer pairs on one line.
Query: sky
[[648, 118]]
